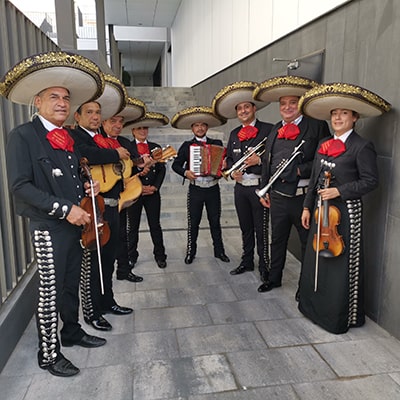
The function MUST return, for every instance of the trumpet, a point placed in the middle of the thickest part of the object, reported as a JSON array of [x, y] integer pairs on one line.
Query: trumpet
[[281, 167], [239, 165]]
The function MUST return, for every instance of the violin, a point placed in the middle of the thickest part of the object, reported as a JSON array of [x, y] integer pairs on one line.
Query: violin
[[327, 242], [96, 233]]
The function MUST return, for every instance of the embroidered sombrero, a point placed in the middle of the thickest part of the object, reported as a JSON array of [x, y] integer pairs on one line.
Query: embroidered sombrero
[[81, 76], [133, 110], [149, 120], [113, 98], [319, 101], [185, 118], [275, 88], [225, 101]]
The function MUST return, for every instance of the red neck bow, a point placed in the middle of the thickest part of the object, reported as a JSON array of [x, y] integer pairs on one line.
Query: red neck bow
[[105, 142], [143, 148], [288, 131], [247, 132], [332, 148], [60, 139]]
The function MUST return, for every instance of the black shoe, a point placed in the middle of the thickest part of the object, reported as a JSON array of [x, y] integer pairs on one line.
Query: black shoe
[[268, 286], [119, 310], [297, 295], [101, 324], [131, 277], [223, 257], [241, 269], [189, 259], [86, 341], [62, 367], [161, 263]]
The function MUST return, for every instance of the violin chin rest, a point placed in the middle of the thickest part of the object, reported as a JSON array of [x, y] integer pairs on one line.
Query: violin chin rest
[[326, 254]]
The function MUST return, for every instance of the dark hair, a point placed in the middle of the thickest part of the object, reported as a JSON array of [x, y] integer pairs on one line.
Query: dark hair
[[79, 109]]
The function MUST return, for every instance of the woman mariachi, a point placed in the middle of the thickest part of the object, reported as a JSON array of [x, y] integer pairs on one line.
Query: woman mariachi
[[331, 288]]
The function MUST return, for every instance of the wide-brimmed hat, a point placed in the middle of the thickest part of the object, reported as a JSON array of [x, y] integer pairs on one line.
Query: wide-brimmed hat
[[113, 98], [185, 118], [79, 75], [133, 110], [149, 120], [274, 88], [319, 101], [225, 101]]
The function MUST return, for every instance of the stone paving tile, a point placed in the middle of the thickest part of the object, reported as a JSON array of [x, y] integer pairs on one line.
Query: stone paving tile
[[154, 345], [182, 377], [170, 280], [243, 311], [360, 357], [15, 387], [219, 339], [279, 366], [267, 393], [149, 299], [379, 387], [200, 295], [171, 318]]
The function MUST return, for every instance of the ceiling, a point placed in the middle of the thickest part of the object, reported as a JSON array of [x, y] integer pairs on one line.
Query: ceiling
[[141, 58]]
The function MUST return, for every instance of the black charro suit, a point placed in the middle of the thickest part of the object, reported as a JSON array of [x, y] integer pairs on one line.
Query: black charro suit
[[130, 217], [253, 217], [46, 184], [199, 197], [285, 195], [338, 301], [94, 304]]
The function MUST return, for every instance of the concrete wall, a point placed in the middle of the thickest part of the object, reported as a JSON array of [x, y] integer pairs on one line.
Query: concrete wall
[[362, 47]]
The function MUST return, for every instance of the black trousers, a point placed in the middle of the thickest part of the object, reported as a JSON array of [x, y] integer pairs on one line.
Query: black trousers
[[58, 254], [253, 222], [285, 213], [129, 232], [197, 199]]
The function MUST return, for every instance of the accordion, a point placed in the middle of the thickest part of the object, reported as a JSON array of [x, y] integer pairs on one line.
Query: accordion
[[206, 159]]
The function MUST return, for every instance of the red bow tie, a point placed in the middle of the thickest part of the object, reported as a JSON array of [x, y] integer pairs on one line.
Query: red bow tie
[[247, 132], [106, 143], [60, 139], [289, 132], [332, 148], [143, 148]]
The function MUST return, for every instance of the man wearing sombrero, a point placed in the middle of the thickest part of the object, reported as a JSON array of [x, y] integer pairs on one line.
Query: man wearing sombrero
[[204, 190], [104, 148], [152, 177], [44, 177], [345, 169], [232, 101], [286, 194]]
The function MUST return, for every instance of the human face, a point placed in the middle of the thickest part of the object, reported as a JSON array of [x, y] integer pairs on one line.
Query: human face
[[140, 133], [53, 104], [90, 116], [113, 126], [342, 120], [199, 129], [246, 112], [288, 107]]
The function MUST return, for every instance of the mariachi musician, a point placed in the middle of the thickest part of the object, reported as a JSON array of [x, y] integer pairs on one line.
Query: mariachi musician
[[203, 188], [232, 101], [344, 170]]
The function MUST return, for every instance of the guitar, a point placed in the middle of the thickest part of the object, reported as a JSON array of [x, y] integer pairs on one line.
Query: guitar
[[109, 174]]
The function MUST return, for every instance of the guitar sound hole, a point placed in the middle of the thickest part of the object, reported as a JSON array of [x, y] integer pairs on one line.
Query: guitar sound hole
[[118, 168]]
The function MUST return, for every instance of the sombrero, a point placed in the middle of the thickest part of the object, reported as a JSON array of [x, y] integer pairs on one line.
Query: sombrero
[[322, 99], [185, 118], [81, 76], [149, 120], [275, 88], [113, 98], [133, 110], [225, 101]]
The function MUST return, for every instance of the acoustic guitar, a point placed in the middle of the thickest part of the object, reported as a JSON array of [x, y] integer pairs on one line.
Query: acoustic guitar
[[109, 174]]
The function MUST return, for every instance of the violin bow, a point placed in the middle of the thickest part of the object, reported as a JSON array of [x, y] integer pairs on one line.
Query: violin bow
[[98, 247], [317, 246]]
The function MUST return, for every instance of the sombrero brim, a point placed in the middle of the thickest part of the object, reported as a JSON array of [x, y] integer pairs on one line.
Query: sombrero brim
[[78, 74], [113, 98], [273, 89], [184, 119], [133, 110], [225, 101], [321, 100], [149, 120]]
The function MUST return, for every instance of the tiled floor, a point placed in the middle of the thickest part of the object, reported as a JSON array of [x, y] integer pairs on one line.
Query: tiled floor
[[199, 333]]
